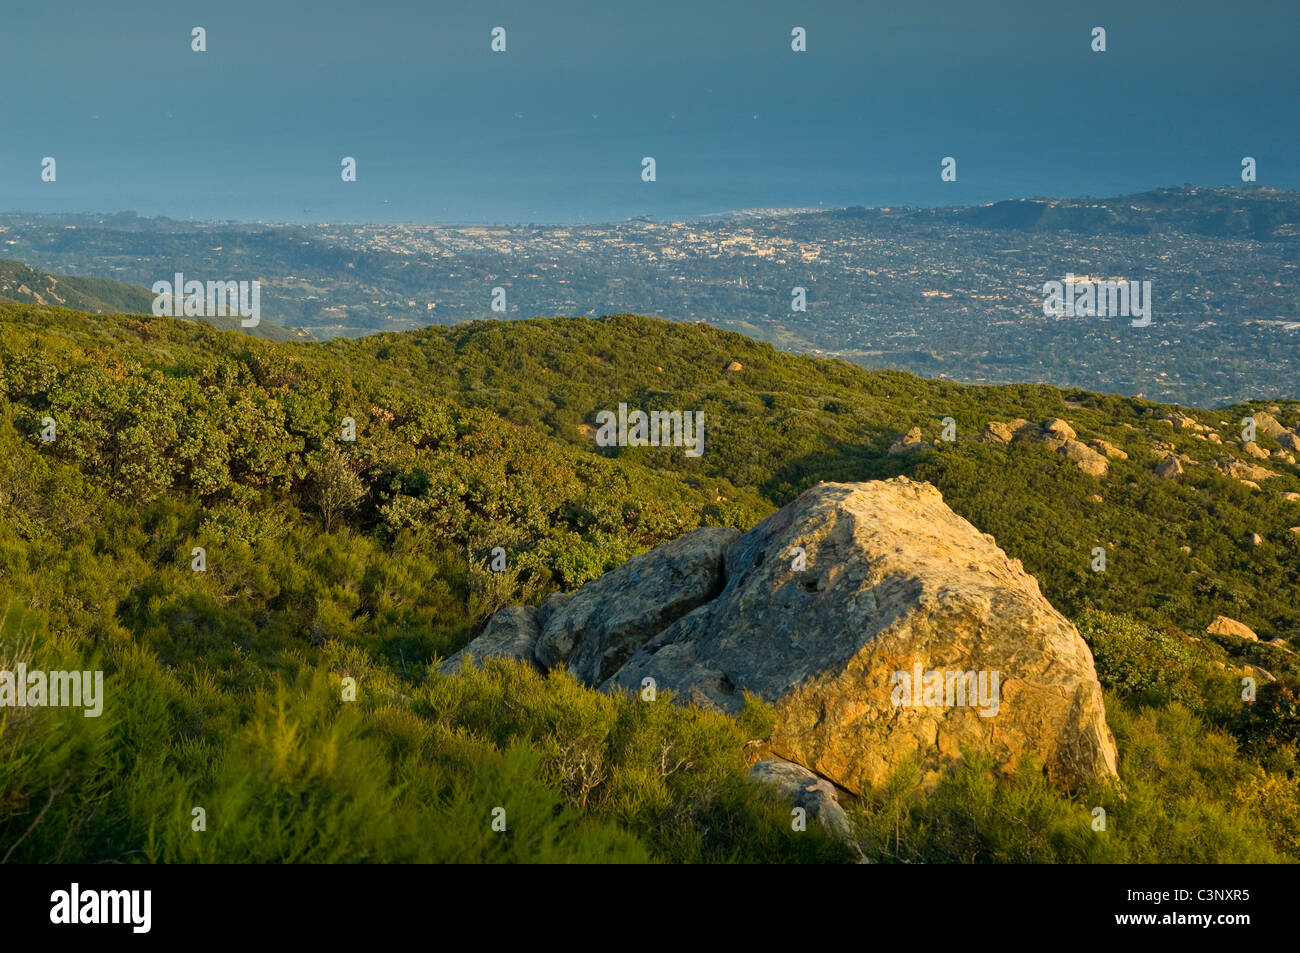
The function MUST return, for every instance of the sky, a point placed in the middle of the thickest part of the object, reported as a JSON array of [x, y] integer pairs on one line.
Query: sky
[[554, 129]]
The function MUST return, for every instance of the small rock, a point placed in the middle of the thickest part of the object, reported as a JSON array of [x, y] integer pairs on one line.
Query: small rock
[[1256, 539], [1110, 450], [996, 432], [735, 366], [804, 789], [1059, 428], [1084, 457], [910, 442], [1169, 468]]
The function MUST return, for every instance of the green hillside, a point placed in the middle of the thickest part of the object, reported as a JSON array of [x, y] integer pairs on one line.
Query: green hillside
[[368, 559]]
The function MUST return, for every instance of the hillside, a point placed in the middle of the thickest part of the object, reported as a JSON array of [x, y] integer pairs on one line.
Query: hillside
[[783, 422], [370, 559], [20, 283]]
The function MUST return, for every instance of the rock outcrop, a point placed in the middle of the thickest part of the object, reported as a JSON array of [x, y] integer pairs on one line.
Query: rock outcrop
[[1225, 626], [1269, 424], [996, 432], [1240, 470], [1057, 434], [1059, 430], [881, 626], [1181, 422], [897, 589]]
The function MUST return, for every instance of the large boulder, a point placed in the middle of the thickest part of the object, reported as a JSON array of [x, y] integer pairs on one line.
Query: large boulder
[[909, 635], [593, 631], [1057, 431]]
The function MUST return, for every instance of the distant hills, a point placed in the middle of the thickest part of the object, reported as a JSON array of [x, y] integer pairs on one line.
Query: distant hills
[[953, 293], [19, 282], [1261, 214]]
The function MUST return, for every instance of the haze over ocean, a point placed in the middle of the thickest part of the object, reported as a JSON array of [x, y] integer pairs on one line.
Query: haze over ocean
[[554, 129]]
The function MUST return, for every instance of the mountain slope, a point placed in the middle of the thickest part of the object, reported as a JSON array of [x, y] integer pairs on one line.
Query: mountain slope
[[203, 530], [783, 422]]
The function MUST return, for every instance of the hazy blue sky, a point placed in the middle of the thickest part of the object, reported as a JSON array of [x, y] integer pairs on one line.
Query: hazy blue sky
[[554, 129]]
